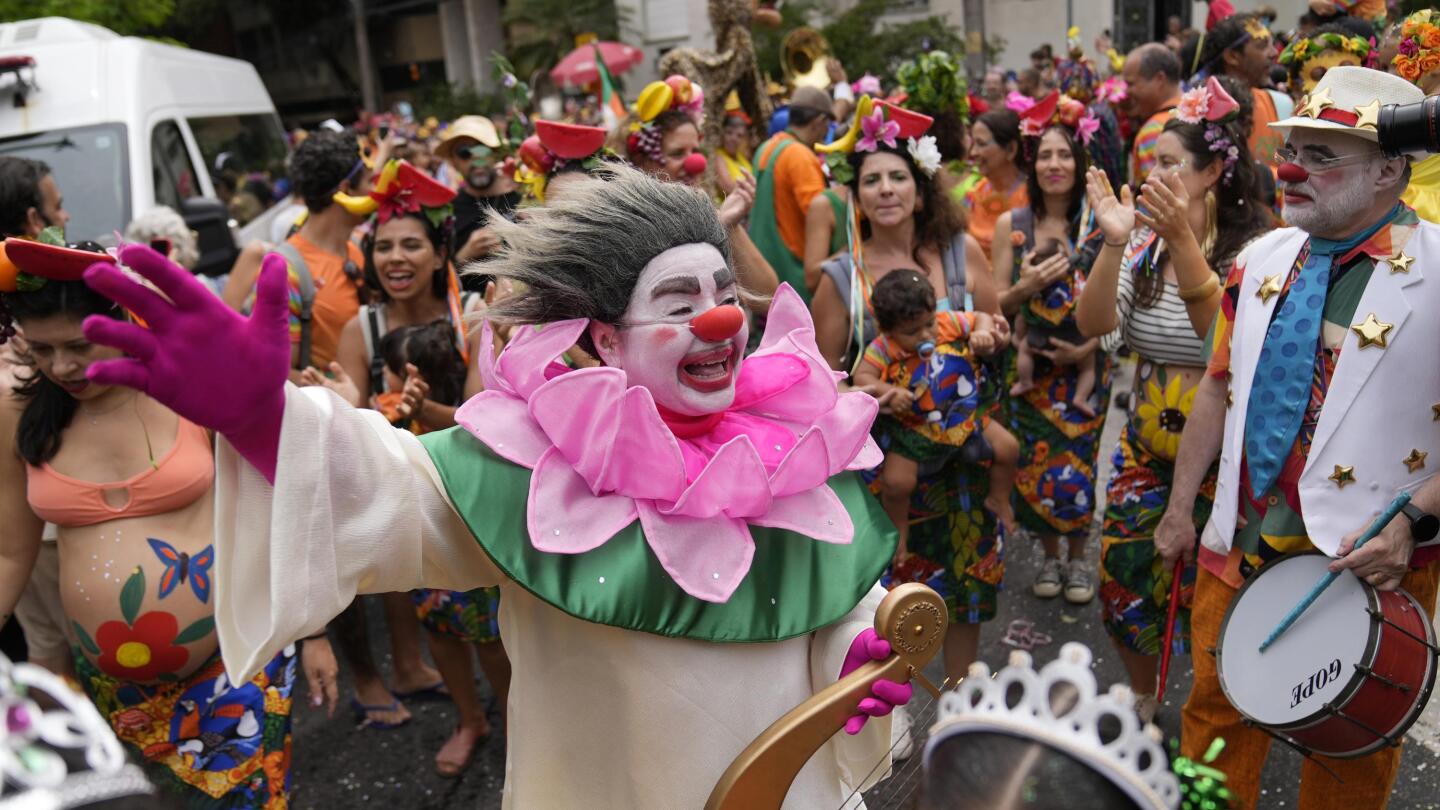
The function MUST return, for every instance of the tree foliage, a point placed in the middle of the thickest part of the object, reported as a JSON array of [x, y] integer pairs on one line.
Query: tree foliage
[[865, 42], [542, 32], [128, 18]]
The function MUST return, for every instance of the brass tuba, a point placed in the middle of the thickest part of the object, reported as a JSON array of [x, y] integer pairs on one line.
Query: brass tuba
[[805, 56]]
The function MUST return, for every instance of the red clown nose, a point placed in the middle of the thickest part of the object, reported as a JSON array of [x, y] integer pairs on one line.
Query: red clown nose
[[1292, 173], [719, 323], [695, 164]]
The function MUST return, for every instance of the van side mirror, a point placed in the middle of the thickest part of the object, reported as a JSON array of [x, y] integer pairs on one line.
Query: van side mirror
[[211, 223]]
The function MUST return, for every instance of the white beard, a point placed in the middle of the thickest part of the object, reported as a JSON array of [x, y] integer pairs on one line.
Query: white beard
[[1333, 214]]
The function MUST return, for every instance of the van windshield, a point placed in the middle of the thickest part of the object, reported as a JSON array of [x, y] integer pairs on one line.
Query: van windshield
[[90, 167], [245, 155]]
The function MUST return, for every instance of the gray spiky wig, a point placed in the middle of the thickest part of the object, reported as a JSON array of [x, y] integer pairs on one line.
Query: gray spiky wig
[[580, 255]]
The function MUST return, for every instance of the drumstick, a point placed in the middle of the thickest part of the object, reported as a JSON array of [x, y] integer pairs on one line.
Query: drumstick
[[1169, 629], [1375, 528]]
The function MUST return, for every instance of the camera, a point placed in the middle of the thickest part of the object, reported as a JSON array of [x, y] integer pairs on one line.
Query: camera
[[1410, 129]]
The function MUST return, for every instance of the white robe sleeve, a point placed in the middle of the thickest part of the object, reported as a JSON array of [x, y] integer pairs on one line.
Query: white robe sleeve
[[357, 507], [859, 758]]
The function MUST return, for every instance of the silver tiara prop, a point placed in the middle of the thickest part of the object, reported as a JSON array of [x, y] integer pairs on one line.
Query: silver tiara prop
[[1061, 707], [33, 774]]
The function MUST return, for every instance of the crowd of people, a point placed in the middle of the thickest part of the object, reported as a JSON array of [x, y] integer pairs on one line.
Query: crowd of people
[[967, 269]]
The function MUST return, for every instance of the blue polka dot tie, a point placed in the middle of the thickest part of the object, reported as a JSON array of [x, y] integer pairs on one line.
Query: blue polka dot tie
[[1280, 389]]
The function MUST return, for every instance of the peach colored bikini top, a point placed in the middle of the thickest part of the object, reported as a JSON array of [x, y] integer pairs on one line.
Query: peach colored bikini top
[[177, 480]]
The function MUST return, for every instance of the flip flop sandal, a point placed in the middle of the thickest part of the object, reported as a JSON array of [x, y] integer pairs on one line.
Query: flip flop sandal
[[435, 692], [362, 714]]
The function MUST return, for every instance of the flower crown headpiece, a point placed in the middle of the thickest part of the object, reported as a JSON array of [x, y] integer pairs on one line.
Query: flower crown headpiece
[[555, 146], [399, 190], [674, 93], [880, 122], [1053, 110], [1211, 105], [1419, 45], [1305, 48], [1019, 701]]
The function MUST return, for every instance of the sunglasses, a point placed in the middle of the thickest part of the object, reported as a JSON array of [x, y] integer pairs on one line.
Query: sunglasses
[[470, 152]]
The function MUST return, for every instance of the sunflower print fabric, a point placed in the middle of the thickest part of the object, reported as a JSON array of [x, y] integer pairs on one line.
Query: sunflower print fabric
[[1134, 580]]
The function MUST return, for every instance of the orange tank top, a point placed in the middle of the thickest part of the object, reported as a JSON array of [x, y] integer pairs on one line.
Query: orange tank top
[[177, 480]]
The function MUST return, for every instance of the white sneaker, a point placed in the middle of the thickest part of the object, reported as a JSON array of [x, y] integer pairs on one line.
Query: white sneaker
[[902, 745]]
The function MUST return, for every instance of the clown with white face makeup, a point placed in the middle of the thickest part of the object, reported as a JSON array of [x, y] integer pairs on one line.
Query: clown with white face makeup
[[683, 549]]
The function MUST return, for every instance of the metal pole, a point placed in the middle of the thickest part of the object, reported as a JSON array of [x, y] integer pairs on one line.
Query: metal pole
[[369, 93]]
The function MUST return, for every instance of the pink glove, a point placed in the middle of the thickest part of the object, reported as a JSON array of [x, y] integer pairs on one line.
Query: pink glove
[[885, 695], [198, 357]]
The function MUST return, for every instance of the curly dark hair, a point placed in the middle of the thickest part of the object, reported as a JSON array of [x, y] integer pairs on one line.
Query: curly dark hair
[[321, 164], [48, 408], [440, 238], [19, 192], [1032, 182], [939, 217], [901, 296], [431, 349]]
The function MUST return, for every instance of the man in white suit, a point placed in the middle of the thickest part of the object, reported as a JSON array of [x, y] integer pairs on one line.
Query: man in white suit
[[1321, 402]]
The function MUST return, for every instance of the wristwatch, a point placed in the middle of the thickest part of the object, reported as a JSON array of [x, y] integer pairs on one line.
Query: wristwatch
[[1423, 525]]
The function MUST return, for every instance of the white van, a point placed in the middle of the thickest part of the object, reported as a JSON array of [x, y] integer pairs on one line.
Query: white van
[[126, 124]]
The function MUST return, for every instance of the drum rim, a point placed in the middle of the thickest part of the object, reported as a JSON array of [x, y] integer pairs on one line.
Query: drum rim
[[1417, 708], [1352, 684]]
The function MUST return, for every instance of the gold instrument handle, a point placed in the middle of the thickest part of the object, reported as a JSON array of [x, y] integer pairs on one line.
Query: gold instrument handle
[[913, 619]]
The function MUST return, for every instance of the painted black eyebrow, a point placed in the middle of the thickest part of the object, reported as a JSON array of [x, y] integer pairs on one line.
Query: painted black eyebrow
[[679, 285], [1321, 151], [724, 277]]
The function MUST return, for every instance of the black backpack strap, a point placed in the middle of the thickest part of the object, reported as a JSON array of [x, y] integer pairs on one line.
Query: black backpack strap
[[370, 330]]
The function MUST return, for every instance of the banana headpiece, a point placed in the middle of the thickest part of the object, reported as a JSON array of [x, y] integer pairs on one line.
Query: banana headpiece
[[880, 122], [401, 189], [675, 93]]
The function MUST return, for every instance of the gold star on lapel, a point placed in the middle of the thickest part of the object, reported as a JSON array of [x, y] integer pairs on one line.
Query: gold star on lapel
[[1373, 332], [1400, 262], [1343, 475], [1268, 288], [1416, 459], [1369, 115], [1315, 103]]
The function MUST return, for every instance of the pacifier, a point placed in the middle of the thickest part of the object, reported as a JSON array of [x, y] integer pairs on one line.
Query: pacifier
[[1292, 173], [720, 323], [694, 165]]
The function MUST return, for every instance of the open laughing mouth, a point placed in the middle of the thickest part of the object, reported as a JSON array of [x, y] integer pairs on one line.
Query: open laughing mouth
[[710, 370], [398, 280]]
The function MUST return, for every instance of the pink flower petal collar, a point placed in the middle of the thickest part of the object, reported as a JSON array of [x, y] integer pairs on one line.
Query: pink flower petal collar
[[602, 455]]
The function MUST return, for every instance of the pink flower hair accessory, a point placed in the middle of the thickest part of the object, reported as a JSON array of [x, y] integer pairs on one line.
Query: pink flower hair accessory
[[876, 129], [602, 456], [1211, 105]]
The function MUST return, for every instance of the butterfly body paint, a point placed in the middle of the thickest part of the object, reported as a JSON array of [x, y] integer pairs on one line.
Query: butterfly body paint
[[180, 567]]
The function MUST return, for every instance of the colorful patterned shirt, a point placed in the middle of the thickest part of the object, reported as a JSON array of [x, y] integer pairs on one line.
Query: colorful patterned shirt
[[1142, 154], [1272, 526]]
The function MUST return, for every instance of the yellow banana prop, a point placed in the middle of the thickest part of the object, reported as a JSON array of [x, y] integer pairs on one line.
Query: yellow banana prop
[[846, 143], [367, 205], [654, 99]]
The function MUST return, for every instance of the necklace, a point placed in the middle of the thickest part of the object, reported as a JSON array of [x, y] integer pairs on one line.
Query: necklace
[[94, 415], [144, 430]]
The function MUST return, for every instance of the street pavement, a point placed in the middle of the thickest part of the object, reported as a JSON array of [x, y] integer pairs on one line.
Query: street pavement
[[338, 765]]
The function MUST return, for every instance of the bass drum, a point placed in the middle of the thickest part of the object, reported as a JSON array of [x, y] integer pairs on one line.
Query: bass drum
[[1348, 678]]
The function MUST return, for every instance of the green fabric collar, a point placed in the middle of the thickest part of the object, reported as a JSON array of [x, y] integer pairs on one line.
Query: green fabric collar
[[795, 585]]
